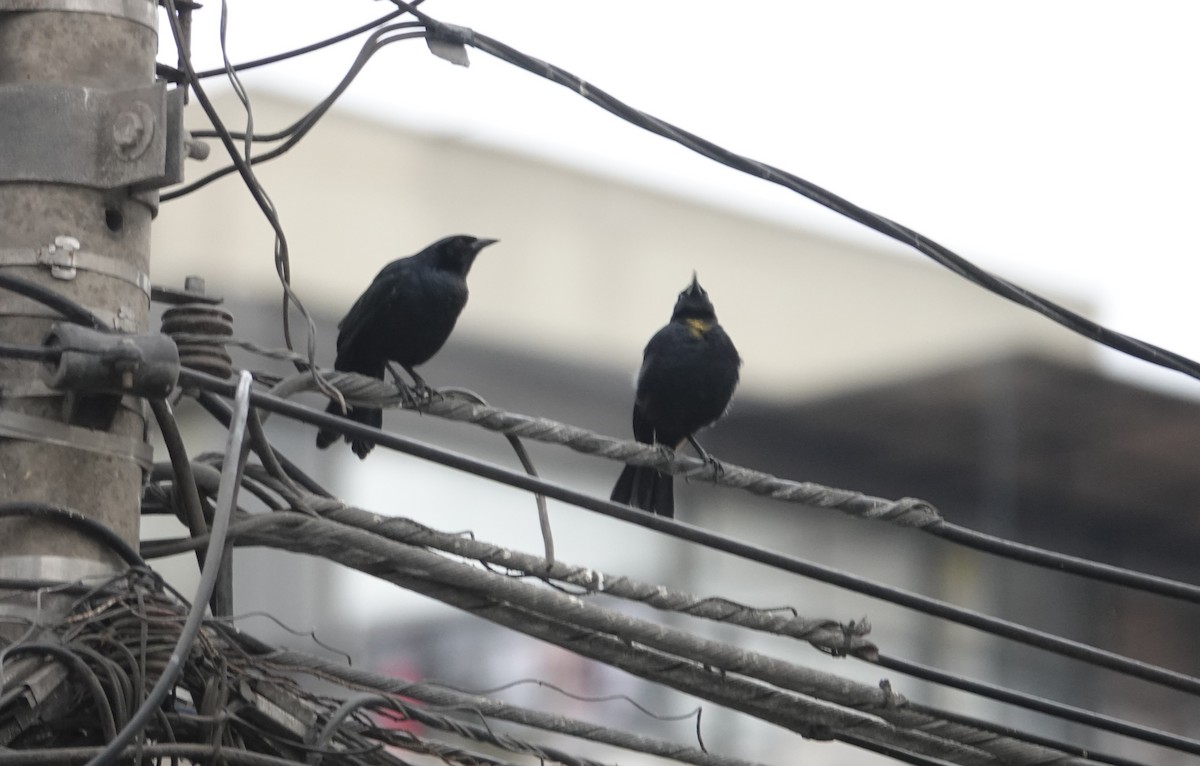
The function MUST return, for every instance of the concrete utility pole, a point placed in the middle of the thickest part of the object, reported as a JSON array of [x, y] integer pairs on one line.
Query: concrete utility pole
[[86, 137]]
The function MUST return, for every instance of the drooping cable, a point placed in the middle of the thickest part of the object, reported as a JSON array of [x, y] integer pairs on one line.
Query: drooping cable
[[940, 254], [282, 258]]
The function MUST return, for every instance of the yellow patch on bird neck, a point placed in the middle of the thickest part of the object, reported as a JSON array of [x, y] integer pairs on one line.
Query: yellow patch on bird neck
[[698, 326]]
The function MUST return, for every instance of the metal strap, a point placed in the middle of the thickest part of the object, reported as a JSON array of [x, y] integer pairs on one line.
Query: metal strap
[[142, 12], [122, 320], [59, 568], [18, 425], [64, 258]]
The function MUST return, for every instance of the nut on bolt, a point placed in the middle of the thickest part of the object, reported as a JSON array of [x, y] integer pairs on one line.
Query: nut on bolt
[[132, 130]]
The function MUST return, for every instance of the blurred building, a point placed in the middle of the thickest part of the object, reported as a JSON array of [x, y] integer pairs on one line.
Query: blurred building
[[862, 368]]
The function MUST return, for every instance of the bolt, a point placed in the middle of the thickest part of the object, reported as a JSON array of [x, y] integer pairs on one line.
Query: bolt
[[132, 130], [194, 284], [127, 130], [194, 148]]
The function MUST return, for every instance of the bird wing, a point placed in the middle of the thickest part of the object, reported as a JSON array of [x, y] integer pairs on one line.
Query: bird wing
[[363, 315]]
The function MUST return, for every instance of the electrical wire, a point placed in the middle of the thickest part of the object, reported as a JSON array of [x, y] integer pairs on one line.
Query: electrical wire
[[242, 67], [235, 452], [67, 656], [30, 353], [457, 35], [1005, 628], [186, 495], [69, 517], [1041, 705], [218, 409], [70, 309], [938, 253]]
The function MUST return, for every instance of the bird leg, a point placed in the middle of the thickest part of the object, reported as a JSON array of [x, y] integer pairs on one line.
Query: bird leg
[[712, 462], [414, 395], [408, 395], [425, 393]]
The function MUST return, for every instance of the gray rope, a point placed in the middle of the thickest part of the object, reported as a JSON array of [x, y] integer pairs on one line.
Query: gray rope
[[365, 390], [826, 635], [665, 655]]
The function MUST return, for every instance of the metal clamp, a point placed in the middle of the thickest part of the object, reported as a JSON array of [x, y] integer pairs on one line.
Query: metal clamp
[[64, 258], [93, 137], [60, 257], [92, 361]]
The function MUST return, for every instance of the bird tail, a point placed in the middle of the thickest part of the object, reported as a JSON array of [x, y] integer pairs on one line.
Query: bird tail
[[370, 416], [645, 488]]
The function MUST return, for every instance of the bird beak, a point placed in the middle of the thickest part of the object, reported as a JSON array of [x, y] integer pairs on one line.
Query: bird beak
[[695, 284], [482, 243]]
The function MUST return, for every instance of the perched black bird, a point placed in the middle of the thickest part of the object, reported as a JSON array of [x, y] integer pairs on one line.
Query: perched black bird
[[689, 371], [404, 316]]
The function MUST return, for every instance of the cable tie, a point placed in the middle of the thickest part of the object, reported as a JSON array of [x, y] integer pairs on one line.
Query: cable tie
[[449, 42]]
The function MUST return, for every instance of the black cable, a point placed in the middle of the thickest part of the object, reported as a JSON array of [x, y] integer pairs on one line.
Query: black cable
[[73, 661], [1040, 705], [306, 49], [319, 739], [71, 310], [895, 753], [68, 517], [158, 549], [186, 494], [217, 407], [1076, 751], [235, 453], [1063, 563], [1013, 631], [922, 244], [30, 353], [118, 681]]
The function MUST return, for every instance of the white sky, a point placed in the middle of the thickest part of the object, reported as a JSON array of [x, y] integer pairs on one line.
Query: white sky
[[1056, 144]]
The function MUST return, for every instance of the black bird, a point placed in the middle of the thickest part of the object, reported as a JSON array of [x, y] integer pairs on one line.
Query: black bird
[[404, 316], [689, 371]]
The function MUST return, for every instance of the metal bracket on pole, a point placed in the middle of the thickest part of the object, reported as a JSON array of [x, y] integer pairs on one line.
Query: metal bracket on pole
[[142, 12], [102, 139]]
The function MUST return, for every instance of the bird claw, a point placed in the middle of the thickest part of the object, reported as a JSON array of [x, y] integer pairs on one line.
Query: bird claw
[[423, 395], [408, 395], [717, 467]]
